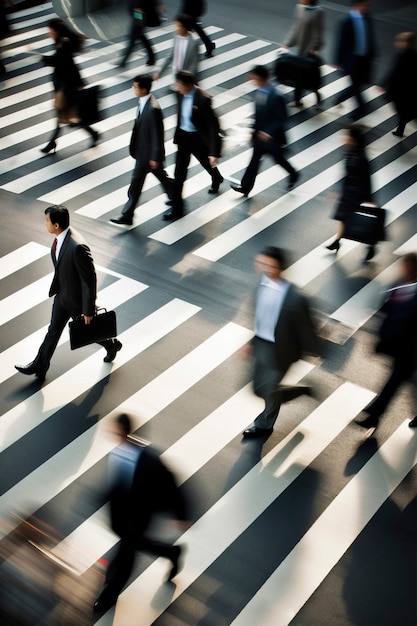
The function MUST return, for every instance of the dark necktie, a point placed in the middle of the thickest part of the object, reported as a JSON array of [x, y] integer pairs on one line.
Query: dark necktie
[[54, 245]]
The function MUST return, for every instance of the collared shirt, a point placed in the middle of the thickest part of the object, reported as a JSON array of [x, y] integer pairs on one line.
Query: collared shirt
[[180, 47], [271, 295], [122, 463], [186, 112], [359, 26], [141, 104], [59, 241]]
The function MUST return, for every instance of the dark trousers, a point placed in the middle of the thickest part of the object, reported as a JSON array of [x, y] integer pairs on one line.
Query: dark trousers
[[260, 148], [200, 32], [359, 77], [190, 144], [266, 379], [121, 565], [137, 33], [402, 370], [59, 319], [136, 184]]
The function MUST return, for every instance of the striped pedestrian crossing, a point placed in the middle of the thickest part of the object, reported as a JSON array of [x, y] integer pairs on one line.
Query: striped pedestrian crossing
[[179, 374]]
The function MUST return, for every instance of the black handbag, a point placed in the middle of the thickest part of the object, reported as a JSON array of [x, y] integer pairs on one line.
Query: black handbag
[[88, 105], [102, 327], [366, 224]]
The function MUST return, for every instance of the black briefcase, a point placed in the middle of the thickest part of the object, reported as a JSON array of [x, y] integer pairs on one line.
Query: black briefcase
[[366, 224], [88, 105], [292, 70], [102, 327]]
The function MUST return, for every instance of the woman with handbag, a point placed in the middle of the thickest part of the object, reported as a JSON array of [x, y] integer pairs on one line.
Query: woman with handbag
[[66, 79], [356, 186]]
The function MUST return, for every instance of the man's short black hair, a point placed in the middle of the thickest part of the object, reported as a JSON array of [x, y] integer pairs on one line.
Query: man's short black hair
[[277, 254], [58, 214], [125, 423], [261, 71], [185, 77], [185, 20], [144, 81]]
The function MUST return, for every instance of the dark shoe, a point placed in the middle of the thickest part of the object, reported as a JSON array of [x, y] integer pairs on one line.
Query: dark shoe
[[397, 134], [49, 147], [334, 246], [122, 220], [112, 351], [239, 189], [94, 139], [297, 104], [253, 432], [413, 422], [293, 179], [215, 185], [104, 602], [209, 52], [169, 202], [176, 566], [32, 368], [368, 422], [150, 61], [370, 254], [171, 216]]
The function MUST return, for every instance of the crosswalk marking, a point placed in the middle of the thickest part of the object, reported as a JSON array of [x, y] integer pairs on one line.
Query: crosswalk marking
[[18, 259]]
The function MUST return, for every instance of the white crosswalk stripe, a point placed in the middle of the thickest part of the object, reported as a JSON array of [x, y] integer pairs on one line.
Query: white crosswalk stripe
[[177, 354]]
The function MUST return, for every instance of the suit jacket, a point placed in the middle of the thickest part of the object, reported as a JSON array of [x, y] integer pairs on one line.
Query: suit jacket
[[147, 140], [153, 489], [75, 281], [271, 115], [195, 8], [398, 330], [190, 62], [345, 42], [205, 120], [66, 74], [307, 29], [295, 332], [399, 83]]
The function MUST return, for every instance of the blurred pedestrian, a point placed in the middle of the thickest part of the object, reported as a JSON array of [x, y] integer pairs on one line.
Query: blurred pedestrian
[[142, 13], [195, 9], [284, 331], [66, 79], [197, 134], [354, 52], [307, 33], [400, 83], [184, 52], [146, 147], [356, 186], [268, 135], [74, 286], [397, 338], [140, 485], [4, 31]]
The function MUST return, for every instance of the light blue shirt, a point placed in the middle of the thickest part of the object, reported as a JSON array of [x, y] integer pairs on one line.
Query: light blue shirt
[[271, 295], [122, 463], [186, 112], [361, 44]]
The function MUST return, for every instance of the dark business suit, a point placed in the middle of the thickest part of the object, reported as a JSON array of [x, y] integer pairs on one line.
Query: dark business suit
[[294, 335], [356, 66], [270, 118], [151, 17], [74, 286], [195, 9], [204, 142], [400, 88], [153, 489], [146, 144]]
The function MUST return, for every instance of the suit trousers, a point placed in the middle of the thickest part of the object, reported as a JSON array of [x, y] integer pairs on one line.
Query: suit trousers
[[260, 148], [190, 144], [136, 184], [266, 379], [136, 32], [59, 319], [121, 565], [402, 370], [359, 77]]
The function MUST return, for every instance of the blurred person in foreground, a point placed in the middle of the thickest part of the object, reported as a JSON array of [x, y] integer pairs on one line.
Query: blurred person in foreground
[[284, 330], [397, 339], [139, 486]]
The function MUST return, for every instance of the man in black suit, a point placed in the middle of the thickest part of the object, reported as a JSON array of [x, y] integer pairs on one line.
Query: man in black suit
[[354, 52], [142, 13], [74, 286], [195, 9], [268, 131], [198, 134], [397, 338], [140, 485], [284, 330], [146, 147]]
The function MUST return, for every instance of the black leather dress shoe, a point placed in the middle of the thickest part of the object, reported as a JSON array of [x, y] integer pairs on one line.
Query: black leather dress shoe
[[112, 351], [413, 422], [122, 220], [293, 179], [29, 369], [240, 189], [175, 562], [104, 602], [368, 422], [253, 432], [215, 185], [209, 52], [171, 216]]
